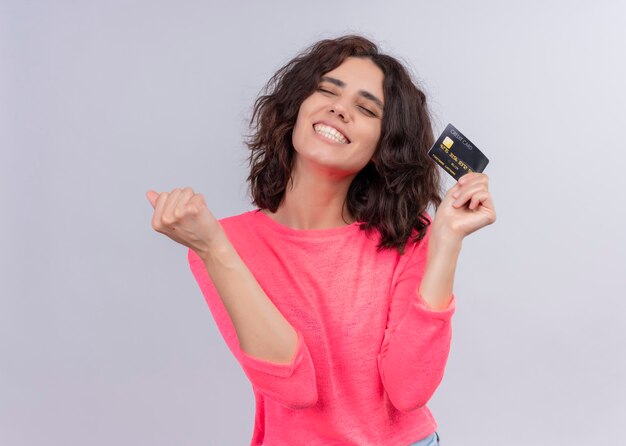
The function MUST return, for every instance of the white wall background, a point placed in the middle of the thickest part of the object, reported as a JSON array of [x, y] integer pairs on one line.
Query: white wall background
[[104, 335]]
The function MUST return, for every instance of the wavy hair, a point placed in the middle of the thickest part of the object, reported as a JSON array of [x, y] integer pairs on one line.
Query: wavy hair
[[391, 193]]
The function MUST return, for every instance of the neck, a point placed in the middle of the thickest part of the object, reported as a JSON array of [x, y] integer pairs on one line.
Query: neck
[[314, 200]]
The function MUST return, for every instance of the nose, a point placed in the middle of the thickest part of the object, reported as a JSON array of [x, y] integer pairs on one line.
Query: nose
[[338, 109], [338, 113]]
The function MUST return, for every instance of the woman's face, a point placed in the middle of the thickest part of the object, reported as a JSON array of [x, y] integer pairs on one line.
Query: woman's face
[[339, 125]]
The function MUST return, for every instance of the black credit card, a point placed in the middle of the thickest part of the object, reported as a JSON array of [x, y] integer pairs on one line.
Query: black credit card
[[456, 154]]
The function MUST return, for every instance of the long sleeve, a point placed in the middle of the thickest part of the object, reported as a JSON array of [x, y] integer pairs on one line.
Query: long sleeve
[[292, 384], [416, 341], [369, 352]]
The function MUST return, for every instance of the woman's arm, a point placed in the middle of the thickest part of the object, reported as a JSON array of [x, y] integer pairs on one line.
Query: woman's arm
[[262, 330], [465, 208], [418, 345], [438, 280], [271, 352]]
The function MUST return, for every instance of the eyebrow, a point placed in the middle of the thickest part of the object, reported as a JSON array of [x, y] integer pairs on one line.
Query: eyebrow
[[365, 94]]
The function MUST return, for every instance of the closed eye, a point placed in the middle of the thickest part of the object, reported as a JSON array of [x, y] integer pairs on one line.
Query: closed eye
[[371, 113], [325, 91], [366, 110]]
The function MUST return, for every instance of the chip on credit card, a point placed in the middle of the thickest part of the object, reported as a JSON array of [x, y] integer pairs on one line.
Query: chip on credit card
[[456, 154]]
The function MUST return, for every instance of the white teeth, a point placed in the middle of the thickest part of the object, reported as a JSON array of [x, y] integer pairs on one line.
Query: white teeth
[[331, 133]]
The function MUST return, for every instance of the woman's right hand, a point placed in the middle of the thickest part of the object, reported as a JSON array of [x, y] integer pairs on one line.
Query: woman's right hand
[[184, 217]]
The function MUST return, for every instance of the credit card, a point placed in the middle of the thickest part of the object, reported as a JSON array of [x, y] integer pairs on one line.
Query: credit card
[[456, 154]]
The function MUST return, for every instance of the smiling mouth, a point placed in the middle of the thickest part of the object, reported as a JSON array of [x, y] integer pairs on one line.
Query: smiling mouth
[[330, 133]]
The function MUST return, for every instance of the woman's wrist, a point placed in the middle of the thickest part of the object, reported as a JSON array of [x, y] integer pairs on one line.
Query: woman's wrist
[[218, 247], [445, 240], [438, 280]]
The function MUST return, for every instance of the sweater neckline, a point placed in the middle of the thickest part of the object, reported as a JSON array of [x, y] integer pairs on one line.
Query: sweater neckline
[[269, 222]]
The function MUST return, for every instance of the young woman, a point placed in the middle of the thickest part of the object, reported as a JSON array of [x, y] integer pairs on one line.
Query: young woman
[[335, 294]]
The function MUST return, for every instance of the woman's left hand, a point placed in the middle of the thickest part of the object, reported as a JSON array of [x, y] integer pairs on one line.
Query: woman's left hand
[[466, 207]]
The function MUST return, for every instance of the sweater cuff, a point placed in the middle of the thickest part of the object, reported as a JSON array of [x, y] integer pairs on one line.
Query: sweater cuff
[[275, 368]]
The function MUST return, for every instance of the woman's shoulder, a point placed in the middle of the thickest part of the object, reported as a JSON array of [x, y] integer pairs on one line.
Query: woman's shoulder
[[237, 218], [237, 223]]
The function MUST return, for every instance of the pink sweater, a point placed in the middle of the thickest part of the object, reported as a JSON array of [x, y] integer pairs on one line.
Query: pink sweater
[[370, 354]]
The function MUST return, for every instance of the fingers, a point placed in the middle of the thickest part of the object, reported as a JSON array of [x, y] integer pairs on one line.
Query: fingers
[[477, 198], [167, 216], [471, 177], [157, 225], [152, 197], [169, 207], [466, 194], [182, 203], [197, 202], [471, 187]]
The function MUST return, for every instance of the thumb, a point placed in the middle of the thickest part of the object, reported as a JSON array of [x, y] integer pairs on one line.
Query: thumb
[[152, 197]]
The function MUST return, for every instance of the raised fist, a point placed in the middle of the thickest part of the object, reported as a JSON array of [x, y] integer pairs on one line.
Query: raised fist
[[184, 217]]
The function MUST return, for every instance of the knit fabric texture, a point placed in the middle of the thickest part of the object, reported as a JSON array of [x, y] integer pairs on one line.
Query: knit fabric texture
[[370, 352]]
